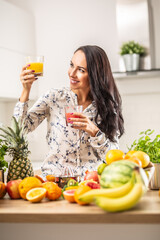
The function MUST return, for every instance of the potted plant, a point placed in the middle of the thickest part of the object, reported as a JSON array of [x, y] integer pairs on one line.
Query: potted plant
[[152, 147], [3, 163], [131, 52]]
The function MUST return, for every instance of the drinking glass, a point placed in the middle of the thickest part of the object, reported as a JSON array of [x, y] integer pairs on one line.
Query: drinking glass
[[36, 64], [69, 112]]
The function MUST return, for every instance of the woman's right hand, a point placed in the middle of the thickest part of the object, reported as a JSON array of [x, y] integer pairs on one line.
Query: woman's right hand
[[27, 78]]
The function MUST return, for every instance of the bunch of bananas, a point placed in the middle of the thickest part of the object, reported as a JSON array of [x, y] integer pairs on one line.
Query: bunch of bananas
[[120, 198]]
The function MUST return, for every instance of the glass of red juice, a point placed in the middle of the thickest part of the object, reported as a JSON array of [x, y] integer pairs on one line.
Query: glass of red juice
[[69, 113]]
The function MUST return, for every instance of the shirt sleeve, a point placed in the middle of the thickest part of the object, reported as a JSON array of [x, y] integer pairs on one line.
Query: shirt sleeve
[[102, 145], [33, 117]]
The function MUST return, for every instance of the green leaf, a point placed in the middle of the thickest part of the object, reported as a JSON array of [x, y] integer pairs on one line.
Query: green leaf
[[147, 145]]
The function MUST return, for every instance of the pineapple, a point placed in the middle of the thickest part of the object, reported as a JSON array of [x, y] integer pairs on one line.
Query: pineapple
[[17, 144]]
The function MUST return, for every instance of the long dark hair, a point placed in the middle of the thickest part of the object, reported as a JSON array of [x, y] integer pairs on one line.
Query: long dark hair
[[104, 92]]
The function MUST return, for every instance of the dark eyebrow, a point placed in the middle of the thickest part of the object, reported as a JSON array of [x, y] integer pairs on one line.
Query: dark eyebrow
[[79, 66]]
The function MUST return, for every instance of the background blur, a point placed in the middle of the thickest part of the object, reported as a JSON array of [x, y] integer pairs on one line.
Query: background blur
[[55, 29]]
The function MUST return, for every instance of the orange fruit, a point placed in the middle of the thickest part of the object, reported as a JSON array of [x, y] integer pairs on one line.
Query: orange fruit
[[79, 191], [114, 155], [28, 183], [50, 178], [69, 195], [53, 191], [71, 187], [129, 154], [2, 190], [135, 160], [143, 157], [36, 194]]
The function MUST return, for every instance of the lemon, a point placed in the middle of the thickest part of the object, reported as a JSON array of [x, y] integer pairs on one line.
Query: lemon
[[28, 183], [36, 194], [114, 155], [143, 157]]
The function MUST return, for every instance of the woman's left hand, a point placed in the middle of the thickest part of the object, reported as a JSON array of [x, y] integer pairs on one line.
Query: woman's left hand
[[84, 123]]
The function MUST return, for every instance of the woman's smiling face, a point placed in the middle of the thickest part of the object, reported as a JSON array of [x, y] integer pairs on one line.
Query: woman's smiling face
[[78, 73]]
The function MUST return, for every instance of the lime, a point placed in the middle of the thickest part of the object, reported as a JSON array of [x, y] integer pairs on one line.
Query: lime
[[101, 167]]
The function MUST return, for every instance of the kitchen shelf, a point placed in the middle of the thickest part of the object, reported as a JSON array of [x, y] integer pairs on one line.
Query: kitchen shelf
[[136, 74]]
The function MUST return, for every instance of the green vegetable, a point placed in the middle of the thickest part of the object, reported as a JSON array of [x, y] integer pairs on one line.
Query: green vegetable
[[147, 145], [3, 150], [132, 47]]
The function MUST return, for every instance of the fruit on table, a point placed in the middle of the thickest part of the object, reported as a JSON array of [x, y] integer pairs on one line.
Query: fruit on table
[[129, 154], [12, 189], [114, 155], [88, 197], [79, 191], [36, 194], [69, 195], [92, 184], [50, 178], [101, 167], [135, 160], [15, 138], [28, 183], [84, 182], [119, 173], [71, 187], [143, 157], [91, 175], [53, 191], [72, 182], [122, 203], [2, 190]]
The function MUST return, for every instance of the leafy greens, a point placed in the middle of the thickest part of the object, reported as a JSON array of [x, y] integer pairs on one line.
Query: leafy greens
[[147, 145]]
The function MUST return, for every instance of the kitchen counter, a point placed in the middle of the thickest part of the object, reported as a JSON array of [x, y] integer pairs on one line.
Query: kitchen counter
[[21, 211]]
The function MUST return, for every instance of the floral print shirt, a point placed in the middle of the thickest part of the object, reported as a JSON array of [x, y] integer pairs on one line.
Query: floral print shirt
[[67, 146]]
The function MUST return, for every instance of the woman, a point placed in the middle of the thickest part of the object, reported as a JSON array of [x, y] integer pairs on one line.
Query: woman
[[84, 145]]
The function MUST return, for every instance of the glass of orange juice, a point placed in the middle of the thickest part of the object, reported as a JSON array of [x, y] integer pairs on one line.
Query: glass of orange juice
[[69, 112], [36, 64]]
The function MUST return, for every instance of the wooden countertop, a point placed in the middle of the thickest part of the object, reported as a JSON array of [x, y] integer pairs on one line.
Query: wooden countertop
[[14, 211]]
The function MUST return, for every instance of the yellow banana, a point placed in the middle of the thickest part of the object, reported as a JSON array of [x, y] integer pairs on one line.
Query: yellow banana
[[123, 203], [109, 192]]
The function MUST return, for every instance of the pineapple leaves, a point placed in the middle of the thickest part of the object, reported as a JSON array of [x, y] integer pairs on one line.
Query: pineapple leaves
[[5, 131], [15, 138], [15, 126]]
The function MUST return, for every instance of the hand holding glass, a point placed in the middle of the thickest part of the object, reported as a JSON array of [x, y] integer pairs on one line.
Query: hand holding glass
[[36, 64], [69, 112]]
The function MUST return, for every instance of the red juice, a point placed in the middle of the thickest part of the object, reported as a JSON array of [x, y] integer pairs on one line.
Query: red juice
[[70, 115]]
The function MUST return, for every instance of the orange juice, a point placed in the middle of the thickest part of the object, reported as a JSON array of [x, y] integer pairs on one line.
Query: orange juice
[[37, 67]]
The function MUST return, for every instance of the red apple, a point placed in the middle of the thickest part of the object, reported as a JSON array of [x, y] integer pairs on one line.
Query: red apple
[[12, 188], [91, 175]]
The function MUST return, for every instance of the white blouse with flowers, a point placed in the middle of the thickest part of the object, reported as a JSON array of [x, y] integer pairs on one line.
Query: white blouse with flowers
[[67, 146]]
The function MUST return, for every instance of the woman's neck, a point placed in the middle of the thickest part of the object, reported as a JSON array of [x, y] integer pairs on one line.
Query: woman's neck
[[84, 98]]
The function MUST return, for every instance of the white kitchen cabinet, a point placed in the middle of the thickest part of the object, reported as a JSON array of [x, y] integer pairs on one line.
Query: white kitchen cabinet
[[17, 40]]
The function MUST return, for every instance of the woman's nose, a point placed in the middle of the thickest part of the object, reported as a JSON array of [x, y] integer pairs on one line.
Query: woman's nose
[[73, 72]]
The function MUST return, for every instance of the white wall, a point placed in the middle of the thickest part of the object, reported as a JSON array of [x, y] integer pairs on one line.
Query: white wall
[[61, 27], [141, 111]]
